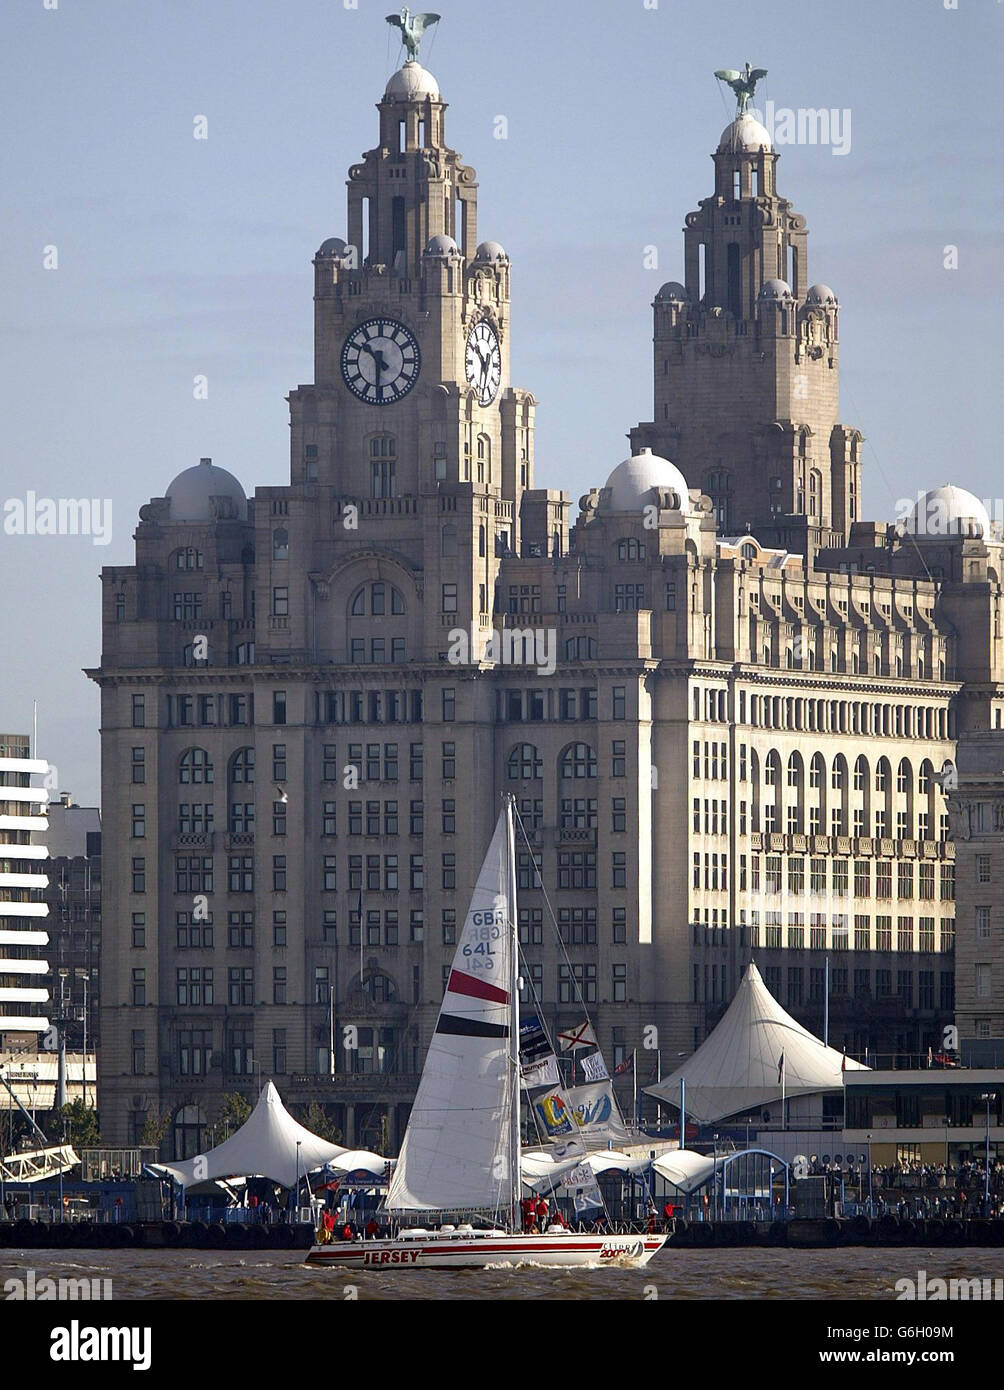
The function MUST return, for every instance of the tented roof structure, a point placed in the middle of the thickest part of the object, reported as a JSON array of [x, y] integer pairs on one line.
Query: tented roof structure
[[685, 1169], [737, 1068], [265, 1146]]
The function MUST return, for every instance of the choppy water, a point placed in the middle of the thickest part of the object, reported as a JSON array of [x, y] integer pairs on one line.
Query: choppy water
[[692, 1274]]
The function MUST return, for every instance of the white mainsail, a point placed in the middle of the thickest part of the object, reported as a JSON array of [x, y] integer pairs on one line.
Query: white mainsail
[[461, 1147]]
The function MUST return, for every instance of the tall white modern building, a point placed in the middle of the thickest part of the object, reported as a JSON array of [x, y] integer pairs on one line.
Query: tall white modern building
[[24, 970]]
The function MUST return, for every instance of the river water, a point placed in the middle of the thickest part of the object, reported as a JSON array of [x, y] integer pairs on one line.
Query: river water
[[852, 1273]]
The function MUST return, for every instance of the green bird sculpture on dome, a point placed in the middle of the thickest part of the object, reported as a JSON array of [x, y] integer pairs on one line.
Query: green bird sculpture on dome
[[742, 83], [412, 27]]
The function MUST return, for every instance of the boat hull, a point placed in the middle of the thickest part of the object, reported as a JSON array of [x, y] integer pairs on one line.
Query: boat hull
[[491, 1251]]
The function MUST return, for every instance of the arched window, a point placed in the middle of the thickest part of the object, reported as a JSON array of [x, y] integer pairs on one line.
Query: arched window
[[374, 598], [838, 773], [188, 558], [580, 648], [794, 770], [242, 767], [195, 766], [770, 770], [815, 490], [524, 764], [816, 770], [482, 541], [882, 775], [484, 457], [280, 544], [379, 988], [904, 776], [861, 774], [577, 760], [190, 1120]]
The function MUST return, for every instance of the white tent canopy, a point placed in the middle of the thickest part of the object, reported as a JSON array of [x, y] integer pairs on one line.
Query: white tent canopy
[[685, 1169], [738, 1067], [265, 1146]]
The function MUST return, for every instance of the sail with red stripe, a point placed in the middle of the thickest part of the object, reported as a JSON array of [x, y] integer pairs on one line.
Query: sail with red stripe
[[460, 1151]]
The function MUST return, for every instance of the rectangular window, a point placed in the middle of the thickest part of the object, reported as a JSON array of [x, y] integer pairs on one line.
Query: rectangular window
[[449, 603], [619, 983], [449, 702], [449, 757], [280, 601], [983, 874], [619, 701], [139, 987], [278, 984], [278, 873], [618, 758], [138, 822]]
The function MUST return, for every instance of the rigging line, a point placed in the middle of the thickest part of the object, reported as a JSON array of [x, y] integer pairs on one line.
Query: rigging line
[[533, 859]]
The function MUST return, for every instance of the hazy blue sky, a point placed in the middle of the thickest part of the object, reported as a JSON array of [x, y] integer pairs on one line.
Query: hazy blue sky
[[179, 256]]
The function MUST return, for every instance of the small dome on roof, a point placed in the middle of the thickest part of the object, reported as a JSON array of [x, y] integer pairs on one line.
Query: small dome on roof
[[442, 245], [490, 251], [820, 294], [745, 133], [672, 289], [206, 493], [412, 83], [334, 246], [948, 511], [632, 481], [775, 289]]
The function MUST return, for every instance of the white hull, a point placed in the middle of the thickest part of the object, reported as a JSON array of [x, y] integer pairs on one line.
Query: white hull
[[491, 1250]]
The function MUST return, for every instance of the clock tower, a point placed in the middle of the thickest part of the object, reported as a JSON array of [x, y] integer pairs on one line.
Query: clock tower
[[411, 396]]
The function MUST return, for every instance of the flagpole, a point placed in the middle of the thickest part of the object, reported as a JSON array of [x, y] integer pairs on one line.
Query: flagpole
[[634, 1086], [826, 1002], [784, 1124]]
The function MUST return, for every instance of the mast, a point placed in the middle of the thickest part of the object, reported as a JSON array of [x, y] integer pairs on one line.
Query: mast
[[513, 928]]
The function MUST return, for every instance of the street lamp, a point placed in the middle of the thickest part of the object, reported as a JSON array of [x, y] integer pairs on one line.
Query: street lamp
[[987, 1097]]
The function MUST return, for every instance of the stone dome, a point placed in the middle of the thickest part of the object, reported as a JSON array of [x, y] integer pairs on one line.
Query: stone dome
[[490, 251], [442, 245], [672, 289], [745, 133], [820, 294], [334, 246], [948, 511], [632, 481], [775, 289], [412, 83], [206, 493]]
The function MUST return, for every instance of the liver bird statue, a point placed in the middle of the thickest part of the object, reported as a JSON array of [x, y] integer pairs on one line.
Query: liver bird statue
[[412, 27], [742, 83]]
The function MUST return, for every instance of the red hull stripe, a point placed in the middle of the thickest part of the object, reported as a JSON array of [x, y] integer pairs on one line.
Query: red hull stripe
[[477, 989]]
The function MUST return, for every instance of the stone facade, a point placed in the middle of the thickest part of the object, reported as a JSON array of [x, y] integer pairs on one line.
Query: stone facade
[[721, 703]]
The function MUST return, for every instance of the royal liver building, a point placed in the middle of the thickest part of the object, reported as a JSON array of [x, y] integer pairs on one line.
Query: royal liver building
[[722, 700]]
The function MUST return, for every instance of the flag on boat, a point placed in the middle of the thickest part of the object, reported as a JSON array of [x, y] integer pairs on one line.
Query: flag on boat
[[594, 1068], [581, 1036], [594, 1109], [538, 1065], [581, 1182], [554, 1115]]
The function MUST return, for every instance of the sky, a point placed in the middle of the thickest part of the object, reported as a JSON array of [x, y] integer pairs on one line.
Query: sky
[[136, 257]]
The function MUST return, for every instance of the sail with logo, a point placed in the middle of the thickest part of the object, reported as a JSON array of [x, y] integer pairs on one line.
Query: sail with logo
[[462, 1142]]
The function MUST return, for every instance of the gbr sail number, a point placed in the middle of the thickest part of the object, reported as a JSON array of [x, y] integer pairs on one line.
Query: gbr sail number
[[484, 929]]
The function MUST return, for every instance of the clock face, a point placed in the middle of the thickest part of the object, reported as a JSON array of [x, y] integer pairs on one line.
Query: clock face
[[380, 361], [484, 361]]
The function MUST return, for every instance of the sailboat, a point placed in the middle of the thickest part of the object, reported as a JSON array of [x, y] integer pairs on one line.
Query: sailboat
[[461, 1149]]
